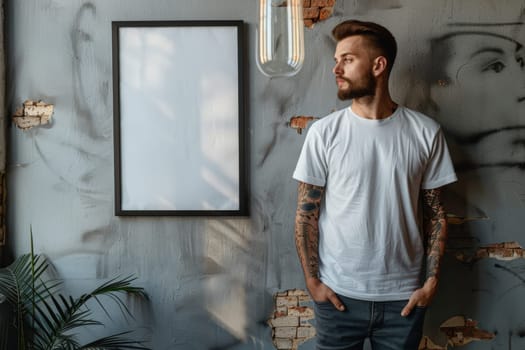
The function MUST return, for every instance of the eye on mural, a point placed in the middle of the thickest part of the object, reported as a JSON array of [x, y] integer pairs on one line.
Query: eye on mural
[[478, 86]]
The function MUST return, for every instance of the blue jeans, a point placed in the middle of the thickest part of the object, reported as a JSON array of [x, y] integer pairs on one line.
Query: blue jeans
[[381, 322]]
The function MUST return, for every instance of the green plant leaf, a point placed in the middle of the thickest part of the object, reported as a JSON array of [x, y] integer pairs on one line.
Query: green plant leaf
[[46, 319], [114, 342]]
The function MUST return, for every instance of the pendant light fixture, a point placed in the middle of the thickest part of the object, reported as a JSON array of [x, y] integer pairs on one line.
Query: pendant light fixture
[[280, 37]]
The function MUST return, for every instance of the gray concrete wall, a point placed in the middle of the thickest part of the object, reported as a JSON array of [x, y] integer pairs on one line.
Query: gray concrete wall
[[212, 280]]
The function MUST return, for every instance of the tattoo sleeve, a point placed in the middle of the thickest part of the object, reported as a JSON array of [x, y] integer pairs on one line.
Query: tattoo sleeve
[[435, 226], [307, 228]]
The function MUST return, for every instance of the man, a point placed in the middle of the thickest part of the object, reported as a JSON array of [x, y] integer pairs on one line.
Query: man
[[361, 173]]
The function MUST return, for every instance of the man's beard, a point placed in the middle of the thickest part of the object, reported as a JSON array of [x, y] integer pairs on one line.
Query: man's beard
[[364, 87]]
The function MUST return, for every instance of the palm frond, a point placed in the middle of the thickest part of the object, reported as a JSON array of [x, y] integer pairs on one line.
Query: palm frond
[[114, 342], [113, 289], [46, 319], [57, 316], [23, 286], [4, 323], [16, 280]]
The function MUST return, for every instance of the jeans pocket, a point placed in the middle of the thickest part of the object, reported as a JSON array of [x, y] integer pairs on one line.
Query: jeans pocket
[[323, 303]]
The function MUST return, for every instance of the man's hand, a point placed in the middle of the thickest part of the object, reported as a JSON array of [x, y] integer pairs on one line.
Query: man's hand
[[320, 293], [421, 297]]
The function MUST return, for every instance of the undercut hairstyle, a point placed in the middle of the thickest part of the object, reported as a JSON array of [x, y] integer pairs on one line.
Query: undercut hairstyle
[[377, 36]]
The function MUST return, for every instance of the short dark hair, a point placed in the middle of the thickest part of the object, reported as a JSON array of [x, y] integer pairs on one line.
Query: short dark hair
[[378, 36]]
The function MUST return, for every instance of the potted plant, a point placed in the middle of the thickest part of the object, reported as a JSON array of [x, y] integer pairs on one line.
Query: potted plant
[[34, 315]]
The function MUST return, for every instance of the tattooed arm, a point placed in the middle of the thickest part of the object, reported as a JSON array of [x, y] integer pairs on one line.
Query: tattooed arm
[[435, 224], [435, 230], [307, 242]]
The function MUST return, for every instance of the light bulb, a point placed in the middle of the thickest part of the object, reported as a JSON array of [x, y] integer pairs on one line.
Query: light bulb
[[280, 38]]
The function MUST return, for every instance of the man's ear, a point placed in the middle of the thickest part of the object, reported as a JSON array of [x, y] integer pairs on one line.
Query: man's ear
[[380, 65]]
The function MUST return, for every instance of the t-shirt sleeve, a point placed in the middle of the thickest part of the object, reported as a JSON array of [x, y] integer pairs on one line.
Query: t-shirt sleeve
[[439, 170], [312, 166]]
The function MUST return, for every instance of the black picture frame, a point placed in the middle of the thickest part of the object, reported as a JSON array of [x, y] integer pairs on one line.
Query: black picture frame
[[179, 120]]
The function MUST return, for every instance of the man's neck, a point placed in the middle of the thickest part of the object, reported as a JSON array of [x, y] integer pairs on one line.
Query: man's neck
[[379, 106]]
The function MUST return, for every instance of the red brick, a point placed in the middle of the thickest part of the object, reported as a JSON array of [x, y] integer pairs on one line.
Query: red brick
[[283, 344], [286, 321], [308, 23], [311, 12], [297, 292], [305, 320], [305, 332], [280, 313], [306, 3], [286, 301], [282, 309], [285, 332], [322, 3], [300, 311], [305, 298], [325, 13]]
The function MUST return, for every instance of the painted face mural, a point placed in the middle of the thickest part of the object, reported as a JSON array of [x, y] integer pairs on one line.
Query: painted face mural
[[476, 91], [478, 84]]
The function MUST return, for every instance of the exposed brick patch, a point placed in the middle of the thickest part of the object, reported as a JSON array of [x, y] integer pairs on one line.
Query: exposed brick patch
[[499, 251], [32, 113], [300, 122], [317, 10], [291, 319], [461, 330]]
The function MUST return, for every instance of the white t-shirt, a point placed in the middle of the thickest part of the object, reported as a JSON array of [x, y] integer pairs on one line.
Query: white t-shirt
[[370, 244]]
